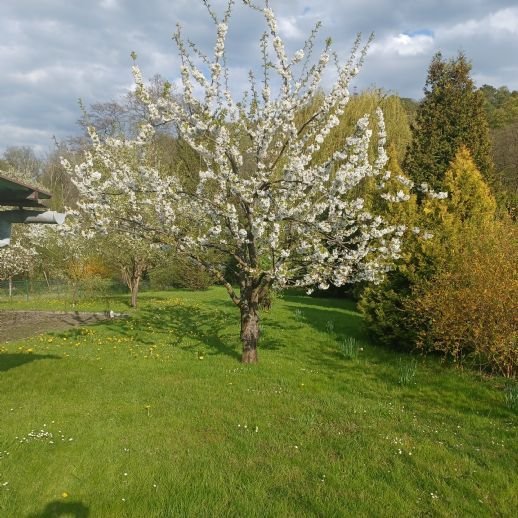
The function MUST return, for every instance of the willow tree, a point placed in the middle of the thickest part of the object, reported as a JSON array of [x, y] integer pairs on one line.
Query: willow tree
[[261, 196]]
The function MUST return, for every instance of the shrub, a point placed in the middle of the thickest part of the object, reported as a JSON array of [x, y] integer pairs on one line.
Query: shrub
[[456, 293], [469, 309], [387, 307], [179, 273]]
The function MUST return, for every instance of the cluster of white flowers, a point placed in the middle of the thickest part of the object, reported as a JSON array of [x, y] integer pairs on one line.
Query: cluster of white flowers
[[44, 435], [425, 189], [395, 198], [15, 259], [262, 196]]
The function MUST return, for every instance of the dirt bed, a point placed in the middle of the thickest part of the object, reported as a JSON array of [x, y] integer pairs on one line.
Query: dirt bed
[[16, 325]]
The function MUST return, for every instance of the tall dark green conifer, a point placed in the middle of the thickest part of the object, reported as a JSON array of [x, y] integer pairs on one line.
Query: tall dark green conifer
[[450, 115]]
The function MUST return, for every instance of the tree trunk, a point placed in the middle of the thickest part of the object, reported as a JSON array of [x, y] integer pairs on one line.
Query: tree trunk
[[134, 291], [132, 276], [10, 287], [46, 279], [249, 331], [75, 289]]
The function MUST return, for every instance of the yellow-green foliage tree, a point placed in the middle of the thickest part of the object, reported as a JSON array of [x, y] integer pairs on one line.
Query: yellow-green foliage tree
[[396, 122], [469, 197], [468, 311], [446, 284]]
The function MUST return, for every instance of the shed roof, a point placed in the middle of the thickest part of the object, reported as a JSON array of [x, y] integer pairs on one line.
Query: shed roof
[[20, 194]]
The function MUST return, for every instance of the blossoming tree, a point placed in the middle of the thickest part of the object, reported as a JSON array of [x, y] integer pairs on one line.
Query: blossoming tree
[[260, 196], [132, 256], [15, 260]]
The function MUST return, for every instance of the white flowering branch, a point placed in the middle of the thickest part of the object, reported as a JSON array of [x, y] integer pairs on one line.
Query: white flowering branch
[[15, 260], [262, 197]]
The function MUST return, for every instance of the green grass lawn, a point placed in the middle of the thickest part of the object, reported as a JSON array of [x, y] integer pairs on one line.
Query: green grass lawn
[[155, 416]]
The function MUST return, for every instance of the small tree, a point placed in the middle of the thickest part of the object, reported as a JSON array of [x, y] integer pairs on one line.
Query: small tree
[[450, 115], [15, 259], [261, 196], [132, 256], [469, 197]]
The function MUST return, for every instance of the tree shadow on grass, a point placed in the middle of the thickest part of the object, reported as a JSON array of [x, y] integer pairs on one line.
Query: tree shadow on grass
[[59, 509], [435, 385], [328, 315], [12, 360], [327, 304], [184, 326], [338, 320]]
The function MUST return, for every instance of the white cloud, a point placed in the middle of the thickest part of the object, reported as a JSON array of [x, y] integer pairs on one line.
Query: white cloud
[[500, 23], [288, 28], [14, 135], [71, 76], [33, 77], [109, 4], [404, 45]]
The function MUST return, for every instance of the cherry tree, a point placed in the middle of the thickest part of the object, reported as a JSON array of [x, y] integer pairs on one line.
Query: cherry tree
[[15, 259], [262, 196], [132, 256]]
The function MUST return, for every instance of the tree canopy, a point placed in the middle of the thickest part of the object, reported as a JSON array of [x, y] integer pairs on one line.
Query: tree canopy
[[451, 114], [261, 195]]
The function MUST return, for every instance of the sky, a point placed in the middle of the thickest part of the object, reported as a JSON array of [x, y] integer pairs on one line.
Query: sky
[[54, 52]]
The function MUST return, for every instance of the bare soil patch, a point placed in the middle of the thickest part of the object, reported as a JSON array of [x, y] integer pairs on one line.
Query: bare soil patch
[[16, 325]]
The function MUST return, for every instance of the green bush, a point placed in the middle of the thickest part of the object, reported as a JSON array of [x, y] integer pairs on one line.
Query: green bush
[[456, 293], [179, 273]]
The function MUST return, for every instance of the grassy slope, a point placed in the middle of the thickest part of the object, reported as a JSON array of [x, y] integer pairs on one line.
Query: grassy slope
[[157, 431]]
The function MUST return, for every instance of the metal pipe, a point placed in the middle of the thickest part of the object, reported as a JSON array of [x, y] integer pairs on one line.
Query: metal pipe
[[32, 216], [8, 217]]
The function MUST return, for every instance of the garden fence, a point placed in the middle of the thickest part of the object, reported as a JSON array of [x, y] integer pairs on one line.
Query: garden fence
[[59, 294]]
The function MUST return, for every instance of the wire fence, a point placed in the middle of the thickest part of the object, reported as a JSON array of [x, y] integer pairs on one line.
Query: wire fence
[[59, 294]]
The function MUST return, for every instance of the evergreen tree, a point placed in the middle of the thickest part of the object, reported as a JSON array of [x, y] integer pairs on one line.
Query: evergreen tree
[[469, 197], [451, 114], [388, 307]]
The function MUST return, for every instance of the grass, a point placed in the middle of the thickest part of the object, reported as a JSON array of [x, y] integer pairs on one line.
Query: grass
[[350, 348], [407, 371], [154, 416]]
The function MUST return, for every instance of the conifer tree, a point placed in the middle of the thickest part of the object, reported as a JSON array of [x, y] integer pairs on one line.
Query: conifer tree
[[469, 208], [450, 115], [469, 197]]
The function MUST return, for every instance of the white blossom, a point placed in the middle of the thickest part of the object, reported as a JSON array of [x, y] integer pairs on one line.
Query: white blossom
[[15, 259], [261, 195]]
